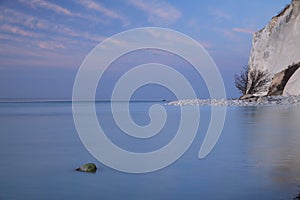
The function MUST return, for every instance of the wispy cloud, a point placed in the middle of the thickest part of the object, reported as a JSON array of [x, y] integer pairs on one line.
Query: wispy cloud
[[35, 4], [244, 30], [22, 24], [227, 33], [232, 33], [219, 15], [35, 57], [9, 16], [5, 36], [17, 30], [206, 44], [50, 45], [194, 25], [89, 4], [159, 12], [47, 5]]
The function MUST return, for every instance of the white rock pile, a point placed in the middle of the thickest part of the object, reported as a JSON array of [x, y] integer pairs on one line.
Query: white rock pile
[[259, 101]]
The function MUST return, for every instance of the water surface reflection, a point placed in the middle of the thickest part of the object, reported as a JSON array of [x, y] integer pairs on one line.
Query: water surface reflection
[[274, 138]]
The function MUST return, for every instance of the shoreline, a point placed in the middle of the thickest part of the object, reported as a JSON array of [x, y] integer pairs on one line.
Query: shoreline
[[262, 101]]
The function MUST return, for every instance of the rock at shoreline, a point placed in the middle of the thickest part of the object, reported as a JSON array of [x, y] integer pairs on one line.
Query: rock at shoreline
[[280, 79], [246, 101], [89, 167], [248, 97]]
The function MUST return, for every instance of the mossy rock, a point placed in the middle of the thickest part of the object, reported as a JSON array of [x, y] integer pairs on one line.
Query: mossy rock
[[89, 167]]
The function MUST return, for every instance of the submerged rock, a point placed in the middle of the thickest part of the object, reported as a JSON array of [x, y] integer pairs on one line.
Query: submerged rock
[[89, 167], [297, 197]]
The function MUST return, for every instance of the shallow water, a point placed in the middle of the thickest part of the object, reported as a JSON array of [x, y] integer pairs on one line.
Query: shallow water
[[256, 157]]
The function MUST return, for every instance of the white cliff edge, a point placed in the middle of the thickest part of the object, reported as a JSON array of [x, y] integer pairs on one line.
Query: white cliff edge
[[276, 50], [277, 46]]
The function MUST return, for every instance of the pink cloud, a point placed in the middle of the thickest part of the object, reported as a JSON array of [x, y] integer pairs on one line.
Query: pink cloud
[[9, 37], [243, 30], [227, 33], [60, 10], [47, 5], [100, 8], [18, 31], [50, 45], [37, 58], [158, 12], [105, 11], [21, 21]]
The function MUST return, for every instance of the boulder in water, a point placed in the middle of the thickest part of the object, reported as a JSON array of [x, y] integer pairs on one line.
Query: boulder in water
[[89, 167]]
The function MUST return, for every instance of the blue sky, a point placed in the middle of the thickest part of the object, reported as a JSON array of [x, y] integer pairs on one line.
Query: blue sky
[[42, 43]]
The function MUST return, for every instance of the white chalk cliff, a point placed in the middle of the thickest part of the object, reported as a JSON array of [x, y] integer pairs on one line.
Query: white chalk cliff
[[277, 46]]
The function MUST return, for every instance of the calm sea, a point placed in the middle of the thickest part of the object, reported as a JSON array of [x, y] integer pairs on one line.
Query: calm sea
[[256, 157]]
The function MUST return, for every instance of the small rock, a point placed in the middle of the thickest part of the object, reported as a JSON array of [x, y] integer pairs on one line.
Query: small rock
[[247, 96], [262, 99], [89, 167], [297, 197]]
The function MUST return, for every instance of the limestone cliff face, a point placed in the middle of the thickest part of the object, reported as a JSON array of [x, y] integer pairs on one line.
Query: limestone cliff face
[[277, 46]]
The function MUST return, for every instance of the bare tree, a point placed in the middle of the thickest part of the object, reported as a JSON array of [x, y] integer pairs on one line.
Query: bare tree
[[250, 82], [258, 81], [241, 80]]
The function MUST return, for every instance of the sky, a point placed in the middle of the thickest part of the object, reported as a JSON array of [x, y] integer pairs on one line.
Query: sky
[[44, 42]]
